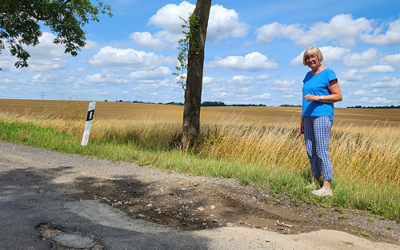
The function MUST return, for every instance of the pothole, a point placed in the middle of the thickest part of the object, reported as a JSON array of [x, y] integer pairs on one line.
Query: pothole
[[66, 241]]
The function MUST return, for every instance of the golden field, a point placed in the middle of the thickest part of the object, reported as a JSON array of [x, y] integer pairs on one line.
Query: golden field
[[255, 144], [255, 115], [365, 143]]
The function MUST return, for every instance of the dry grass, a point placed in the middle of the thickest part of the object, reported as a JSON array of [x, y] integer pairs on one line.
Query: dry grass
[[368, 154]]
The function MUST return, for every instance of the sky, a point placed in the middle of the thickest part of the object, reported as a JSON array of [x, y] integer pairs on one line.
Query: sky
[[253, 53]]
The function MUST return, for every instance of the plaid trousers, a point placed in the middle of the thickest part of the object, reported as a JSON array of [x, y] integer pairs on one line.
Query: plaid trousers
[[317, 132]]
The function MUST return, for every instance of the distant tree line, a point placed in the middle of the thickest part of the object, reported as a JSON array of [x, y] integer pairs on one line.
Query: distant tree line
[[203, 104], [212, 103], [289, 105], [215, 103], [375, 107], [173, 103], [248, 105]]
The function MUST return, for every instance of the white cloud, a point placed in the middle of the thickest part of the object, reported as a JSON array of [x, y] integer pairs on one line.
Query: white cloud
[[386, 82], [377, 69], [345, 83], [223, 23], [82, 70], [7, 81], [36, 77], [342, 27], [333, 54], [366, 58], [222, 94], [352, 75], [130, 59], [159, 73], [244, 90], [235, 86], [263, 96], [251, 62], [358, 75], [50, 78], [267, 33], [143, 77], [393, 60], [263, 77], [107, 78], [207, 80], [35, 65], [285, 86], [375, 92], [44, 57], [391, 37], [240, 80], [330, 54], [90, 44], [168, 16], [46, 64], [46, 48], [284, 83], [377, 100], [160, 41]]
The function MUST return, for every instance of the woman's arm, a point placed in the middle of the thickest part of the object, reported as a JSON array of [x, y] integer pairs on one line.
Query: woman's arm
[[335, 96], [301, 127]]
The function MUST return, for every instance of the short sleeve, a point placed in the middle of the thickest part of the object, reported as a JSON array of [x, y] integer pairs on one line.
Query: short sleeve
[[331, 75]]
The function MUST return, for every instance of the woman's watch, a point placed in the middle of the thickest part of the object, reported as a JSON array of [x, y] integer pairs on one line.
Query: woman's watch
[[321, 98]]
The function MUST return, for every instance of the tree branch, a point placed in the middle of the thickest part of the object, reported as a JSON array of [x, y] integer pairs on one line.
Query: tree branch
[[27, 10]]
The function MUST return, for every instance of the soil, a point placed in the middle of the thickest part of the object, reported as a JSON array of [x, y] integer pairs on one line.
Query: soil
[[196, 203]]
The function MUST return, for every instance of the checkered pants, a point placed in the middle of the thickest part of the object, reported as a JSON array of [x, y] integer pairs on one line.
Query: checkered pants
[[317, 131]]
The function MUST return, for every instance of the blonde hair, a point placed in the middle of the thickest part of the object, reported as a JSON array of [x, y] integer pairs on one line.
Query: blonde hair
[[312, 50]]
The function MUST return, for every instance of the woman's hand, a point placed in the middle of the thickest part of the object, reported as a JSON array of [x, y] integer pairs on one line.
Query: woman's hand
[[301, 127], [312, 98]]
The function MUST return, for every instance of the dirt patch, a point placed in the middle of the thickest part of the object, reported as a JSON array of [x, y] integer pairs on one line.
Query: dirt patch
[[195, 203]]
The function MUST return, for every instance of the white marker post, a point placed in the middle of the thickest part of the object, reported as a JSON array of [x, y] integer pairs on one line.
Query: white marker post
[[88, 124]]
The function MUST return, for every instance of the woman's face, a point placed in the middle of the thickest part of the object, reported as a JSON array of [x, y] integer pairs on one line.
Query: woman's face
[[312, 60]]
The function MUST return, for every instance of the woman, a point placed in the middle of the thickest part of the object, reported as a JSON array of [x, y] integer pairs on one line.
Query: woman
[[320, 91]]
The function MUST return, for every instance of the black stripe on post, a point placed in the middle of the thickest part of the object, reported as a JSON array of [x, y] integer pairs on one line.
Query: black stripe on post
[[90, 115]]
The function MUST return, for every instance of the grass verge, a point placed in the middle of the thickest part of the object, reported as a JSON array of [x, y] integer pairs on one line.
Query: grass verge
[[380, 199]]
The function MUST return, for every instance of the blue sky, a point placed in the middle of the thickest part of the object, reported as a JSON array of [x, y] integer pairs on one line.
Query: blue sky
[[253, 53]]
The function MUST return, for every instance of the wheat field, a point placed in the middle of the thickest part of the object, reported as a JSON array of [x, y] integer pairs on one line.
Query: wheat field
[[365, 143], [128, 111]]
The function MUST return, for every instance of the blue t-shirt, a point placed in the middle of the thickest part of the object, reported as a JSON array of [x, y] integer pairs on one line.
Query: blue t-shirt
[[318, 85]]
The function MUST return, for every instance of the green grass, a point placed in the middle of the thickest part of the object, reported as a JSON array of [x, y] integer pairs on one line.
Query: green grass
[[382, 199], [365, 234]]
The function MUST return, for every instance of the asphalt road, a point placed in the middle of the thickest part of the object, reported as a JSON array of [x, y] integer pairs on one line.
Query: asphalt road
[[26, 205]]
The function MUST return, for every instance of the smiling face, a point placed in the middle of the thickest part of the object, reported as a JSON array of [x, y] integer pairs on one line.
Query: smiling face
[[312, 56], [312, 61]]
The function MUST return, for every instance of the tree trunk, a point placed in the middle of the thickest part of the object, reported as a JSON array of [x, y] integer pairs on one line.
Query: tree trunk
[[194, 79]]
